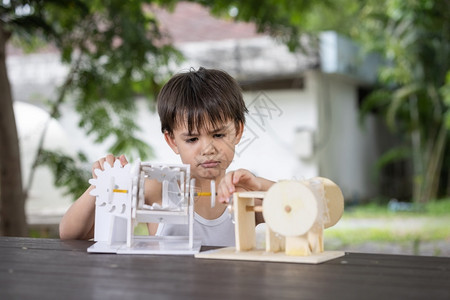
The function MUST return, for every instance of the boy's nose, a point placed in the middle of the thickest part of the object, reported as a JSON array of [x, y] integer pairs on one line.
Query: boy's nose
[[209, 148]]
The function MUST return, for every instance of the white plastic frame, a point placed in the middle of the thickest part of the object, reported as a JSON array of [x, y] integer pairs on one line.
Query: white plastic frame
[[120, 206]]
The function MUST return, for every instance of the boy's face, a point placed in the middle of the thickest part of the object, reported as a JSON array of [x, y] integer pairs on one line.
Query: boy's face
[[209, 152]]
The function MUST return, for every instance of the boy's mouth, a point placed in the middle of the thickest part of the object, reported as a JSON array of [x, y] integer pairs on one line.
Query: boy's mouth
[[210, 164]]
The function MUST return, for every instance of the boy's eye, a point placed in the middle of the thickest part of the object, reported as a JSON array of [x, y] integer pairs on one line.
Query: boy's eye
[[191, 140], [219, 135]]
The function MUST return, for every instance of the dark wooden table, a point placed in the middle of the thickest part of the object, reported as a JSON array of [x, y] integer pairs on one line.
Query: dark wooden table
[[53, 269]]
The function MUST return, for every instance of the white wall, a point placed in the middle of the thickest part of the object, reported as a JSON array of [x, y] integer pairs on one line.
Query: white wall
[[348, 151], [273, 154]]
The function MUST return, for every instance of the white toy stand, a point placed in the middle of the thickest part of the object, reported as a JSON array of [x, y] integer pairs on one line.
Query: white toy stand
[[120, 206], [295, 212]]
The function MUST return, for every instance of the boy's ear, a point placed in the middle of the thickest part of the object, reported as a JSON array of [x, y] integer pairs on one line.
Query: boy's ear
[[239, 132], [170, 139]]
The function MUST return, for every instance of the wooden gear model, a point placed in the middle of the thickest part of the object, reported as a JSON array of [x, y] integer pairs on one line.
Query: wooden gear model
[[119, 207], [296, 214]]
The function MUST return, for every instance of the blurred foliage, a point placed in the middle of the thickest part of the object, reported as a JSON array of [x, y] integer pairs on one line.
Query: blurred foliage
[[377, 208], [394, 154], [445, 92], [115, 53], [439, 230], [377, 227], [438, 208], [69, 173], [414, 38]]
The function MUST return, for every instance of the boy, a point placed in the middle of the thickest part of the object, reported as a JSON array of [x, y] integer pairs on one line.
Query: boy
[[202, 118]]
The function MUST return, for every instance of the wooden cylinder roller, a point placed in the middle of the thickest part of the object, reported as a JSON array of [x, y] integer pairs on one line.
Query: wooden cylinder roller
[[334, 201]]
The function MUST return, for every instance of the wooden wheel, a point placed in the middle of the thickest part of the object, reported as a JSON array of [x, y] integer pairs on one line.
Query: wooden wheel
[[290, 208]]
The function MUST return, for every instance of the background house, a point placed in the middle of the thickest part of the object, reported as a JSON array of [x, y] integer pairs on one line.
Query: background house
[[303, 107]]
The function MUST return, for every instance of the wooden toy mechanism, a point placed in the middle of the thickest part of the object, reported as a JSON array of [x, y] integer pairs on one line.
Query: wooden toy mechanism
[[120, 206], [296, 214]]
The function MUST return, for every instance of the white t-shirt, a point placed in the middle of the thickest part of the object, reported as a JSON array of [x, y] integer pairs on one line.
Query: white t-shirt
[[216, 232]]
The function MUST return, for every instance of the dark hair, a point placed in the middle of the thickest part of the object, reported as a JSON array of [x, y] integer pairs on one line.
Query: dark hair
[[204, 97]]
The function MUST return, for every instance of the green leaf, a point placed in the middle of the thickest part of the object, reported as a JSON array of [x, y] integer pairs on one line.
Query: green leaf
[[72, 174], [393, 155]]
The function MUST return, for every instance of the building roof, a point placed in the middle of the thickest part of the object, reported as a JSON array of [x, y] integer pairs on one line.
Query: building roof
[[192, 22]]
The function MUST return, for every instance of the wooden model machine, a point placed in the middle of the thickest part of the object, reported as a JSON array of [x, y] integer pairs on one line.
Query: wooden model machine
[[120, 206], [296, 214]]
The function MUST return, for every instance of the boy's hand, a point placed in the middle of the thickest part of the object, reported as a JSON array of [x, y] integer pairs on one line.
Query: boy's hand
[[110, 159], [234, 180]]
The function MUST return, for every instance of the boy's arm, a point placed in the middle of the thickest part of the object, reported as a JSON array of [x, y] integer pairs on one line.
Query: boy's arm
[[241, 179], [153, 194], [78, 221]]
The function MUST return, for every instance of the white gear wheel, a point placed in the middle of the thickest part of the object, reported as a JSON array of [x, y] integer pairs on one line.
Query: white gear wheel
[[111, 187]]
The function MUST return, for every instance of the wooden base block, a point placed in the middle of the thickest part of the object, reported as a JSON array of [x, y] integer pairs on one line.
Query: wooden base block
[[230, 253]]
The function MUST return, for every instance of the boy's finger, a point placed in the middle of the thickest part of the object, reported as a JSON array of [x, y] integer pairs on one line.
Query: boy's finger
[[222, 198], [110, 159], [101, 162], [230, 182], [123, 160], [237, 176], [222, 193], [96, 165], [225, 183]]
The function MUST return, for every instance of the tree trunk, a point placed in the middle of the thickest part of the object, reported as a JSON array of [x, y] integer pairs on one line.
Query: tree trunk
[[434, 168], [417, 153], [12, 202]]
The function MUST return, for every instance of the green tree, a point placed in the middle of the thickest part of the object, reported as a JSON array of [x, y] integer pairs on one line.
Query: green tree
[[412, 89], [414, 37], [115, 52]]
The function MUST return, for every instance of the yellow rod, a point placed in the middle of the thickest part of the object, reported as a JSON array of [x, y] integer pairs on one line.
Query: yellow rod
[[203, 194]]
